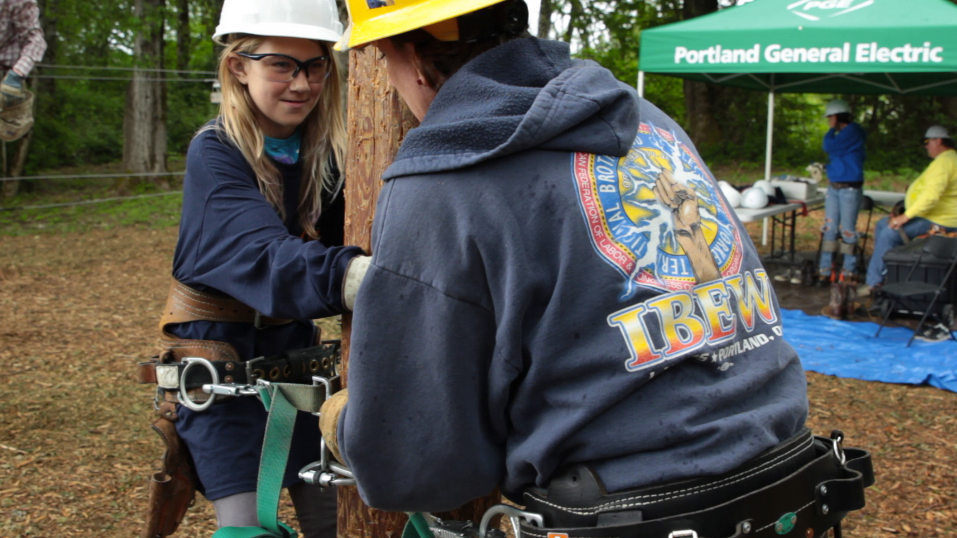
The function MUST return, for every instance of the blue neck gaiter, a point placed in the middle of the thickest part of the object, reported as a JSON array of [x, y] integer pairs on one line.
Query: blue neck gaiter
[[285, 151]]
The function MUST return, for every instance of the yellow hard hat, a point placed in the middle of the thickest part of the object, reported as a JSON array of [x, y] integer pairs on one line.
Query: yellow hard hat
[[370, 20]]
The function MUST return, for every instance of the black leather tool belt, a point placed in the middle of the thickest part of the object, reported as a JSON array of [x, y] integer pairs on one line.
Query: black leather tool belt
[[799, 489], [186, 379]]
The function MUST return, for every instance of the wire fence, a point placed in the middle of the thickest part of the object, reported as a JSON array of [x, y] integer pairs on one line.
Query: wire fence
[[89, 202], [48, 71], [94, 176], [78, 77], [124, 68]]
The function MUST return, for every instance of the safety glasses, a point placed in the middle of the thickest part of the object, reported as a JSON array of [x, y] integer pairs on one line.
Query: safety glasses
[[283, 68]]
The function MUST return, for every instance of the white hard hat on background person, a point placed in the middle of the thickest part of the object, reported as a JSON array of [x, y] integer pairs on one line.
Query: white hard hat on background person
[[937, 131], [306, 19], [837, 106]]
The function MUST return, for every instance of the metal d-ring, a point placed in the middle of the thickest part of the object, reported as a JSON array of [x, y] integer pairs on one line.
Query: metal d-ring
[[513, 515], [836, 439], [184, 396]]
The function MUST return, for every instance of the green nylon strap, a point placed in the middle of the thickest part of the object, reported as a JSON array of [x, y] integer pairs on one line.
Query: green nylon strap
[[253, 532], [417, 527], [275, 454], [308, 398], [281, 401]]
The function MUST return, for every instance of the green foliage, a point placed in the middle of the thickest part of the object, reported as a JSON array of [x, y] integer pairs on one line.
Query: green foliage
[[80, 120], [609, 33], [158, 212]]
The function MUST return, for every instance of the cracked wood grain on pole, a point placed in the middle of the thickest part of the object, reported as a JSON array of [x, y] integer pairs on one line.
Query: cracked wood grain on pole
[[377, 122]]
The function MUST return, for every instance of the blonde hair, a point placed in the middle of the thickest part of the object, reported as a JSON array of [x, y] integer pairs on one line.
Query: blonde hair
[[323, 137]]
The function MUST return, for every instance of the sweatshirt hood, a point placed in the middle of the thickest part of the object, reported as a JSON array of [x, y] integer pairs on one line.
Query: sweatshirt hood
[[546, 101]]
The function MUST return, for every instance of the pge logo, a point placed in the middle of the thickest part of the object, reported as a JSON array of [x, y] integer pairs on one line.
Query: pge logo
[[815, 10]]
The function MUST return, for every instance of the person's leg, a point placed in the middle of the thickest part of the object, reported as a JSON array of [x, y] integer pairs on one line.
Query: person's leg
[[884, 240], [850, 202], [237, 510], [832, 208], [917, 226], [316, 510]]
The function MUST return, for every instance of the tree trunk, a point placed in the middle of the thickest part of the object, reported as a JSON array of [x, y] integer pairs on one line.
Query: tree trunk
[[378, 120], [700, 97], [144, 123], [182, 35], [48, 20], [213, 10], [545, 18]]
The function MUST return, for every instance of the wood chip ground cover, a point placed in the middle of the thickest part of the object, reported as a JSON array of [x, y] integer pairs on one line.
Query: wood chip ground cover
[[77, 311]]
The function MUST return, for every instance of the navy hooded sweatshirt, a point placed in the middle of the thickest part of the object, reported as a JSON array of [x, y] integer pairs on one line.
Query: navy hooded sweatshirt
[[233, 242], [529, 305]]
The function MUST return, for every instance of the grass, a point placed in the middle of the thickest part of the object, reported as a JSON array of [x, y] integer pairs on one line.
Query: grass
[[19, 215]]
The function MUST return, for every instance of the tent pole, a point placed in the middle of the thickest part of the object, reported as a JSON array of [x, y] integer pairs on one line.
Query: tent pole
[[767, 158], [641, 84], [770, 137]]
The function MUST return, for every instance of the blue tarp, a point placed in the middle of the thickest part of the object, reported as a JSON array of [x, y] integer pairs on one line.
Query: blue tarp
[[849, 349]]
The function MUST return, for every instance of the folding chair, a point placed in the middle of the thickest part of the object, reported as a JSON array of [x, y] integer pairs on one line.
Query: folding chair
[[907, 291]]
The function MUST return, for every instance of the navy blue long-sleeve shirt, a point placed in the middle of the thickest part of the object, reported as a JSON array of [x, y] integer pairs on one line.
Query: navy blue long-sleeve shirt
[[232, 241]]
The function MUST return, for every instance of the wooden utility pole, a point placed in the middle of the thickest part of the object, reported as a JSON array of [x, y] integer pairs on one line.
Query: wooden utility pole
[[377, 122], [144, 119]]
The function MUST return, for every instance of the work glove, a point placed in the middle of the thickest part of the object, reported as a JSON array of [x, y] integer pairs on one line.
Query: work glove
[[11, 90], [329, 420], [355, 272]]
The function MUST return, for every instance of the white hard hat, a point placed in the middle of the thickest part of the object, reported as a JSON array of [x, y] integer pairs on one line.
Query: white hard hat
[[754, 198], [765, 186], [937, 131], [837, 106], [730, 193], [306, 19]]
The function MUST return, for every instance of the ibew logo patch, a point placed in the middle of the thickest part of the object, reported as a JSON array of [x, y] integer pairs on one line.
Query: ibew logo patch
[[815, 10]]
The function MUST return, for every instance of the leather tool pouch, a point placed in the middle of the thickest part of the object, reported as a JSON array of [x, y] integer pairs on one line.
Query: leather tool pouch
[[173, 488]]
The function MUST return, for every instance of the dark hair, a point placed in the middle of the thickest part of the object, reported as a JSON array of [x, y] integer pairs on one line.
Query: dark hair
[[479, 31], [948, 142], [844, 117]]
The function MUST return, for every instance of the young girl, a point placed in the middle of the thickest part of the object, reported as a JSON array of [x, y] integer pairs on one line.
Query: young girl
[[261, 228]]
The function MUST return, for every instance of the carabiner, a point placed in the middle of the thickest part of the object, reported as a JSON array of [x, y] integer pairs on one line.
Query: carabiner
[[513, 515]]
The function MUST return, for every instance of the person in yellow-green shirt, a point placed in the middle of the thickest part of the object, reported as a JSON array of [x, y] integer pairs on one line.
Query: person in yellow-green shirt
[[930, 200]]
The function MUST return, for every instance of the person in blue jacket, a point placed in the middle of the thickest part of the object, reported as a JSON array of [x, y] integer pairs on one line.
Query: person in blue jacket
[[560, 302], [262, 224], [844, 145]]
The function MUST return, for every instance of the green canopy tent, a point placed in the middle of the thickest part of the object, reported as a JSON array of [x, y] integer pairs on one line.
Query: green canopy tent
[[812, 46]]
